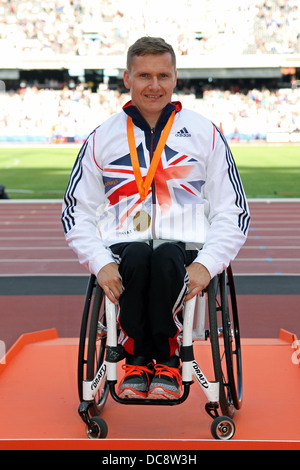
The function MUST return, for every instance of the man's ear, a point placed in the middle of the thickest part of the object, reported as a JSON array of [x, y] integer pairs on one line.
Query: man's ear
[[126, 79], [175, 81]]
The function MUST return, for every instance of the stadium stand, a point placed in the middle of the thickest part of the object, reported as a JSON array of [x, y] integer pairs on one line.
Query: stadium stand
[[68, 115], [62, 63], [86, 27]]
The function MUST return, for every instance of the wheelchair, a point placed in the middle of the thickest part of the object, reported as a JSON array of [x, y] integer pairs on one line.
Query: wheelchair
[[211, 316]]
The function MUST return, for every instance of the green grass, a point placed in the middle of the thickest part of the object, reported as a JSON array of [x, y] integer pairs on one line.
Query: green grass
[[266, 170], [36, 173], [269, 171]]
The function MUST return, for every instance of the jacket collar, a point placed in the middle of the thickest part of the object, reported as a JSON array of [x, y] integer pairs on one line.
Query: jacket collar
[[139, 121]]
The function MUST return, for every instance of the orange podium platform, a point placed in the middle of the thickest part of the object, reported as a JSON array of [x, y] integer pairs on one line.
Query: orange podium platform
[[39, 402]]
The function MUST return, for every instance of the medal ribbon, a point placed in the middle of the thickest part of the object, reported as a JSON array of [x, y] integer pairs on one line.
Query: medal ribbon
[[144, 186]]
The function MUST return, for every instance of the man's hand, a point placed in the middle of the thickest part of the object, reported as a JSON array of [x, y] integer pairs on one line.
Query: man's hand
[[199, 279], [110, 280]]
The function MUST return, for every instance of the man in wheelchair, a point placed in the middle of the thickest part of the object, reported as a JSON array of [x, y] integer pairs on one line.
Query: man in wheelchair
[[154, 208]]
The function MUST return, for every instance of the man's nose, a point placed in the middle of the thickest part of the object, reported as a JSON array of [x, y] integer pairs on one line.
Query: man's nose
[[154, 84]]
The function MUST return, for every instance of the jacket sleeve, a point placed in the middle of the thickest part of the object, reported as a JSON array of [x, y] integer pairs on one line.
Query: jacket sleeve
[[226, 210], [80, 212]]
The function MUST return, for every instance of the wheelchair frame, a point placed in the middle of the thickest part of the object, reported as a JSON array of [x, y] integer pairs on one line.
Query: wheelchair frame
[[98, 375]]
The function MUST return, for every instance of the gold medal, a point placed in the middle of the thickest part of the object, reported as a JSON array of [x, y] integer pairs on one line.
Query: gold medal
[[144, 185], [141, 221]]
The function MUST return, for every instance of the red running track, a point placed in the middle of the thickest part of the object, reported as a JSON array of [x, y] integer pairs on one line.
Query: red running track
[[273, 244], [32, 240]]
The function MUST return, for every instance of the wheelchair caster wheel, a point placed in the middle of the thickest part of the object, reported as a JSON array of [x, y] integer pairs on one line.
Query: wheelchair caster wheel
[[97, 428], [223, 428]]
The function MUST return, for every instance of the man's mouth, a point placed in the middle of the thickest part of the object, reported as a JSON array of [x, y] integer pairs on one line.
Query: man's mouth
[[153, 97]]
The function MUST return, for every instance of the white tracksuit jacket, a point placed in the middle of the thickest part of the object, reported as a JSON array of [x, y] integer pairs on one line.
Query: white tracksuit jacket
[[196, 195]]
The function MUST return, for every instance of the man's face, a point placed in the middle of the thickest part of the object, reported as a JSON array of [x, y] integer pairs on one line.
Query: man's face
[[151, 80]]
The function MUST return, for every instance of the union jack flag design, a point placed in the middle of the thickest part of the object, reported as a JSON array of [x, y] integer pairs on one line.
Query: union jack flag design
[[172, 182]]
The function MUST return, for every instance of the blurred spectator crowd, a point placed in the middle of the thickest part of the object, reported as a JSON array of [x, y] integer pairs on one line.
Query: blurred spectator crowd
[[108, 27], [70, 114]]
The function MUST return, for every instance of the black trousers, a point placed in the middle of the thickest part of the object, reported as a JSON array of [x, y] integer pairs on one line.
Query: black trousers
[[155, 285]]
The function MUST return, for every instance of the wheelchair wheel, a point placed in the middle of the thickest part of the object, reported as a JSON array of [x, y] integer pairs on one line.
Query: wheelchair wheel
[[92, 343], [225, 341]]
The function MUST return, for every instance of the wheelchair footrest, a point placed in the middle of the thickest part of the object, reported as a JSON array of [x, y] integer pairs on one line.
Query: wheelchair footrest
[[146, 401]]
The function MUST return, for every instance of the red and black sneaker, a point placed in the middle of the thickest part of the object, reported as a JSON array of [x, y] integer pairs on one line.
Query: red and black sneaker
[[166, 383], [138, 375]]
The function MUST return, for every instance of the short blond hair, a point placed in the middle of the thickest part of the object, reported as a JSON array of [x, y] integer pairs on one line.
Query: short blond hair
[[149, 45]]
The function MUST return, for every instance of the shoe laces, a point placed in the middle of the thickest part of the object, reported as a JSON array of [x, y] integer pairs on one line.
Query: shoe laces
[[172, 372], [131, 369]]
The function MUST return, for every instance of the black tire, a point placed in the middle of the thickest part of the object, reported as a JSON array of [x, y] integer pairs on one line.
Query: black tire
[[232, 340], [92, 344], [225, 341], [223, 428], [97, 428], [82, 360]]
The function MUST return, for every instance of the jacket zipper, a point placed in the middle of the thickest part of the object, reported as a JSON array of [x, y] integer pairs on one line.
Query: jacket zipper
[[153, 188]]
